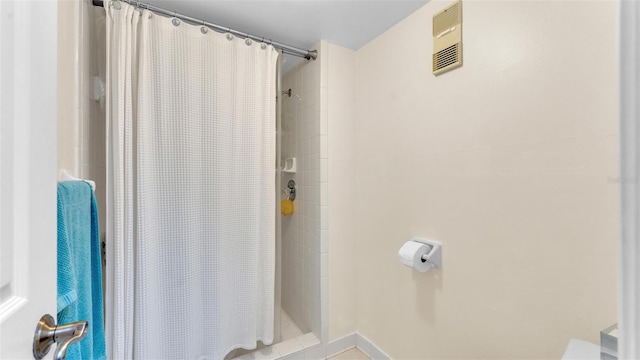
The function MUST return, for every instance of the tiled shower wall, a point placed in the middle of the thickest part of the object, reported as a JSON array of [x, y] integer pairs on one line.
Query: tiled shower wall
[[302, 232], [81, 118], [92, 68]]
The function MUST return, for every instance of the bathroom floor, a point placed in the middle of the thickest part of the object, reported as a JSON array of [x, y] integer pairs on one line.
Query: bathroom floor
[[351, 354]]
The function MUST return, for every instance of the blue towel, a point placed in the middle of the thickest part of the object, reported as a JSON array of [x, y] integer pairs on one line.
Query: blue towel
[[80, 267]]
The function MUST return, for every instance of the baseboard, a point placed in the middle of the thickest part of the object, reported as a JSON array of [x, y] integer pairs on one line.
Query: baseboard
[[337, 346], [341, 345], [366, 346]]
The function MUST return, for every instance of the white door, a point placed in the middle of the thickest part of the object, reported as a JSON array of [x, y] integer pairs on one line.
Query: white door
[[27, 171]]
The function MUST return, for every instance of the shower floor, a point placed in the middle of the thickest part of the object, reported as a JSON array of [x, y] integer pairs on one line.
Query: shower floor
[[288, 327], [289, 331]]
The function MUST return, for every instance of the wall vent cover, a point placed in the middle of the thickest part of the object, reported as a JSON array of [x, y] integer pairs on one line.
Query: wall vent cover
[[447, 39]]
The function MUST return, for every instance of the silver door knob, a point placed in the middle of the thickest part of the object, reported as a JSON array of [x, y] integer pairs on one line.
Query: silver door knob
[[48, 333]]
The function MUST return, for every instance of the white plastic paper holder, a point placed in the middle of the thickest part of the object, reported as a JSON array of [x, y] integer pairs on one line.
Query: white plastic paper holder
[[434, 256]]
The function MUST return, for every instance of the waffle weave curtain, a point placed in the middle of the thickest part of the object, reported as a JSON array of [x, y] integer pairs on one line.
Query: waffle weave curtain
[[191, 189]]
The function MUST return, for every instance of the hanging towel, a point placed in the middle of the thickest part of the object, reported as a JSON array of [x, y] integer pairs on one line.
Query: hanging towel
[[80, 267]]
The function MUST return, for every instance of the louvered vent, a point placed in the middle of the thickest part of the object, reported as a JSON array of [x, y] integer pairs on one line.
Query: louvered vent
[[446, 57], [447, 39], [446, 19]]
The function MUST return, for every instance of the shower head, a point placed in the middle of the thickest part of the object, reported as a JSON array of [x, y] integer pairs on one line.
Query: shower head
[[289, 94]]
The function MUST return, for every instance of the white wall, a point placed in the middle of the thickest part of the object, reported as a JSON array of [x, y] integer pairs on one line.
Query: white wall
[[68, 143], [508, 161], [340, 95]]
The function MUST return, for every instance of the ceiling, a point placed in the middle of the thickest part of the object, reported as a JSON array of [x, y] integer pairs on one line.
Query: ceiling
[[301, 23]]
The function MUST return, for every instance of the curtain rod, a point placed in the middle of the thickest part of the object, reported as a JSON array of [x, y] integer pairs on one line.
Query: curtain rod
[[286, 49]]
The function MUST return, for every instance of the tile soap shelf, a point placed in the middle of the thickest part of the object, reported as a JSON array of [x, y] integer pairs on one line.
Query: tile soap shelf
[[289, 165]]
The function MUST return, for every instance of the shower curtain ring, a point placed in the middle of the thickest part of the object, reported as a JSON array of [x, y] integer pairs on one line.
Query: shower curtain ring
[[204, 29]]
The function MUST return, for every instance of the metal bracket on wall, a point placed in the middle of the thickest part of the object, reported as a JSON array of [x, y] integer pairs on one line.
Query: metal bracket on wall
[[292, 189]]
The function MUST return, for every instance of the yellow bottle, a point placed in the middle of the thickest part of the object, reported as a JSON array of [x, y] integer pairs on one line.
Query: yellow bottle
[[286, 207]]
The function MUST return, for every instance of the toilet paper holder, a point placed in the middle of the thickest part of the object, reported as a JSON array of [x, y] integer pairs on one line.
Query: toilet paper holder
[[434, 256]]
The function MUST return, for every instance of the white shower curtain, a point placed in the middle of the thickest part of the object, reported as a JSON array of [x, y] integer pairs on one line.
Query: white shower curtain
[[191, 204]]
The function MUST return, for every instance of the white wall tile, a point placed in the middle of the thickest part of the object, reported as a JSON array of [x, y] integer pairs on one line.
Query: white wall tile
[[308, 341], [324, 123], [324, 218], [324, 241], [324, 170], [296, 356], [324, 194], [287, 347], [304, 140], [324, 150], [324, 283], [324, 264]]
